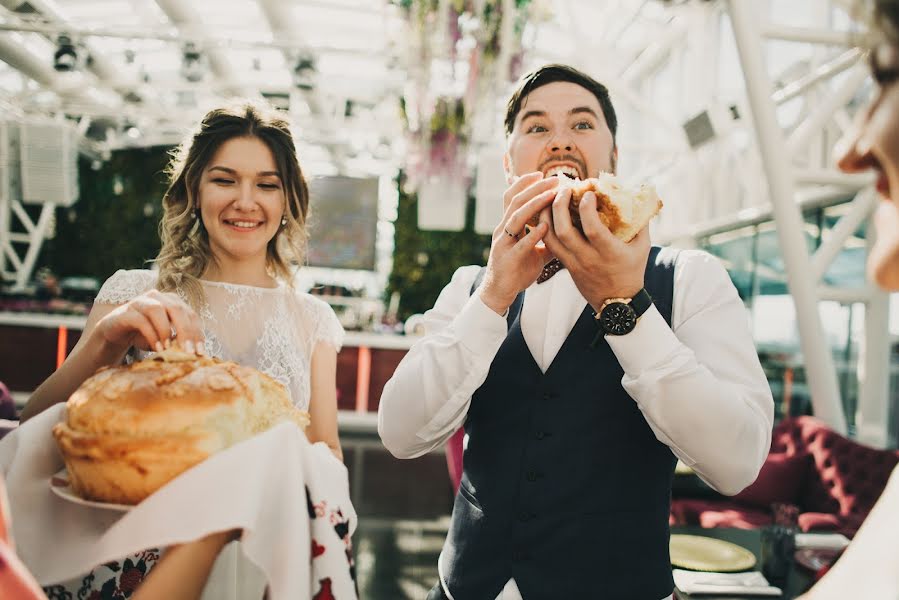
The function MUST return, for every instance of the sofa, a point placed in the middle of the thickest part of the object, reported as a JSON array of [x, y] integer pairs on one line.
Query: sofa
[[8, 417], [454, 452], [833, 481]]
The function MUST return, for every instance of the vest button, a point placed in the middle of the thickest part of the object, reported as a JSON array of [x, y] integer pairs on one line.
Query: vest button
[[547, 396], [524, 517], [532, 475], [540, 435]]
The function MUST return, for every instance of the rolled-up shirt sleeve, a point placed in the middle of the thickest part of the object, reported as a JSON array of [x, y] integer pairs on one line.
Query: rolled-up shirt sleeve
[[427, 398], [699, 384]]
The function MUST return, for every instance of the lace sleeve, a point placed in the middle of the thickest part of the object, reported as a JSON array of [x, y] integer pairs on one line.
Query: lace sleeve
[[125, 285], [327, 327]]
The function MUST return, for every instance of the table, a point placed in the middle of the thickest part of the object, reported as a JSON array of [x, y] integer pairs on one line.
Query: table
[[798, 580]]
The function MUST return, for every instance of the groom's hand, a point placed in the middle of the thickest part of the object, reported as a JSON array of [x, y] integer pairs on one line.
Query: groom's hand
[[515, 259]]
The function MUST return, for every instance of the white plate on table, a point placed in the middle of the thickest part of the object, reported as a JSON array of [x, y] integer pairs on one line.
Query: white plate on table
[[60, 485]]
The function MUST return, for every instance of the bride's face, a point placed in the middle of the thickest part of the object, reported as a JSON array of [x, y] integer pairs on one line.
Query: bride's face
[[241, 199]]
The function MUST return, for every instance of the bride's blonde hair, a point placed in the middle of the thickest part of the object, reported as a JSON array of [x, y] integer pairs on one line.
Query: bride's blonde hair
[[185, 251]]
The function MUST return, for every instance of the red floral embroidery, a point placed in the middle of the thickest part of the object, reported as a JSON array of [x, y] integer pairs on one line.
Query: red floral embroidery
[[129, 580], [325, 592], [317, 550], [116, 580]]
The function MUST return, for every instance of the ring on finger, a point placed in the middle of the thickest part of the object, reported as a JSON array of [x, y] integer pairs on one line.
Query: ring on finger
[[514, 236]]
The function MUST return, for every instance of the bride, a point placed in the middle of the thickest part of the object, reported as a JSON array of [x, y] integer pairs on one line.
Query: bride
[[234, 224]]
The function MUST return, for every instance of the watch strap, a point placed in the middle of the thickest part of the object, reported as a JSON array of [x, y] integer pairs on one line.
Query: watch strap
[[641, 302]]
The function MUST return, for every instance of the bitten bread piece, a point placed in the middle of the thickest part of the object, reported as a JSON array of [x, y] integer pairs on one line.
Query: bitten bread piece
[[130, 430], [624, 211]]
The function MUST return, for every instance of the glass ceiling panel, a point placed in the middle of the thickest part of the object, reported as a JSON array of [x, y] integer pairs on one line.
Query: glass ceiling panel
[[358, 48], [239, 20], [110, 13]]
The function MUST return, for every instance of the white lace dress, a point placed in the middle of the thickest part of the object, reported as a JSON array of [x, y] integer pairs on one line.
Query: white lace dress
[[272, 329]]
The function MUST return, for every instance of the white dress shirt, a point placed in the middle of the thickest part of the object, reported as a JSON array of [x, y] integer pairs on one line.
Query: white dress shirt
[[698, 383]]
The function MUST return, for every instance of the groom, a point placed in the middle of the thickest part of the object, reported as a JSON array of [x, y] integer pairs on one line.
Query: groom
[[579, 386]]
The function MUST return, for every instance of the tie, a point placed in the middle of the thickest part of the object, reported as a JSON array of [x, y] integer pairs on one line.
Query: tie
[[550, 269]]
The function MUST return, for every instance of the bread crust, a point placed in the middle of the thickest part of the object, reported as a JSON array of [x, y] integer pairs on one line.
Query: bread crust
[[624, 211], [130, 430]]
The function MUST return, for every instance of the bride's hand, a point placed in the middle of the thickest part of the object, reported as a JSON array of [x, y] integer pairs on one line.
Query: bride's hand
[[149, 322]]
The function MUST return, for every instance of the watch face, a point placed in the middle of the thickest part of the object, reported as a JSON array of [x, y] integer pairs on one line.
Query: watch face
[[618, 318]]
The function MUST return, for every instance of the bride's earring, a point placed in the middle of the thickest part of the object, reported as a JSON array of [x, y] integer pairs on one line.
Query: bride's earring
[[283, 221]]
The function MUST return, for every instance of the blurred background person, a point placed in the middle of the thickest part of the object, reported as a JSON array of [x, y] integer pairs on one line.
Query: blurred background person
[[869, 568]]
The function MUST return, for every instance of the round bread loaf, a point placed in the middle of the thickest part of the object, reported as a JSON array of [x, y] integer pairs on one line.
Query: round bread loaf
[[129, 430]]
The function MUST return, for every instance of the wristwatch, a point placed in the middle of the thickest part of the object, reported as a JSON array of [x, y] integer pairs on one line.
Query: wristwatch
[[618, 316]]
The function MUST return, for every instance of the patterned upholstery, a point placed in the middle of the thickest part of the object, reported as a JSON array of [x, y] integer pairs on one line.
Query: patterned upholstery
[[837, 494], [454, 458], [7, 404], [8, 418], [848, 477]]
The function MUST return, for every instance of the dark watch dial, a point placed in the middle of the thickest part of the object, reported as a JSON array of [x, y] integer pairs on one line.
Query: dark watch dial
[[618, 318]]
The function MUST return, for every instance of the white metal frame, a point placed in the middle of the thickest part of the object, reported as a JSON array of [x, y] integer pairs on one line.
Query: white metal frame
[[819, 365], [32, 237], [757, 166]]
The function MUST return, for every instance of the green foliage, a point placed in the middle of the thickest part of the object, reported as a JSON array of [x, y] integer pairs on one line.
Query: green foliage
[[105, 231], [424, 261]]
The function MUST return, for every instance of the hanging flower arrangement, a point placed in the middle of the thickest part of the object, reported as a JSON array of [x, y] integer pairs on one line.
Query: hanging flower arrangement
[[459, 55]]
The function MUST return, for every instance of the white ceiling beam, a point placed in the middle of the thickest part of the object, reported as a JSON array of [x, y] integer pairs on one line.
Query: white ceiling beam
[[280, 21], [848, 224], [105, 71], [206, 39], [806, 35], [823, 112], [834, 177], [826, 71], [37, 68], [626, 17], [184, 16], [656, 54]]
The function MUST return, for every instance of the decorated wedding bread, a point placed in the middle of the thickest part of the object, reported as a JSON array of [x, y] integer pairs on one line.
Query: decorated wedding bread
[[129, 430]]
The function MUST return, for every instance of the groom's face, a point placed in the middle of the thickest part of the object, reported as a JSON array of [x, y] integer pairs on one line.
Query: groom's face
[[560, 128]]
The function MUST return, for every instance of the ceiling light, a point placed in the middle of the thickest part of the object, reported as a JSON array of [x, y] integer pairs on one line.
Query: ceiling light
[[192, 63], [66, 57], [304, 72]]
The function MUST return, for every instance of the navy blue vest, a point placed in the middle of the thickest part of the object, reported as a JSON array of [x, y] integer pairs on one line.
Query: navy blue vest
[[564, 485]]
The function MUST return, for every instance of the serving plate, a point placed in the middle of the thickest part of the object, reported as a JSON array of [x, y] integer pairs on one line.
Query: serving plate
[[61, 486], [699, 553]]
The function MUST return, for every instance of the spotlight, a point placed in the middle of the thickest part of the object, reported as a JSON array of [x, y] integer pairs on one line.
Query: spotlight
[[132, 131], [304, 72], [192, 63], [66, 57]]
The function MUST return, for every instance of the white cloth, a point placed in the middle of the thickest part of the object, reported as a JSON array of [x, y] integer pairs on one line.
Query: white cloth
[[511, 592], [258, 485], [869, 568], [271, 329], [699, 383]]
